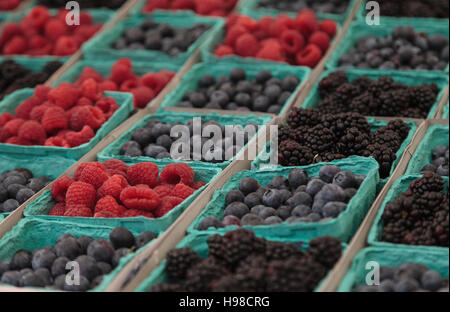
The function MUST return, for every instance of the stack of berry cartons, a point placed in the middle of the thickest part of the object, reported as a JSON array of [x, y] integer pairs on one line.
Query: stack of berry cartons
[[131, 194], [242, 261], [244, 87], [308, 201], [32, 256], [68, 120], [301, 40], [154, 138], [168, 37], [144, 80], [45, 33]]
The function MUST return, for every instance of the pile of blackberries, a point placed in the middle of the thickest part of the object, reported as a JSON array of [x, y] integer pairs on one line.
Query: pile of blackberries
[[440, 161], [407, 277], [241, 262], [17, 186], [414, 8], [312, 136], [14, 76], [84, 4], [381, 97], [264, 93], [46, 266], [161, 37], [155, 141], [420, 215], [404, 49], [295, 199], [318, 6]]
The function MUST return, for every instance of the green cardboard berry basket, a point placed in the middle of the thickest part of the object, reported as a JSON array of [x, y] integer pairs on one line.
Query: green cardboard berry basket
[[399, 187], [360, 29], [356, 275], [10, 102], [113, 150], [100, 48], [446, 110], [99, 16], [198, 242], [435, 135], [251, 7], [343, 227], [406, 77], [191, 78], [32, 233], [42, 205], [50, 166], [137, 9], [262, 161]]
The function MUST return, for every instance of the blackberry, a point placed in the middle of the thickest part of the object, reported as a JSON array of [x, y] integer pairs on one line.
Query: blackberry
[[281, 251], [383, 155], [364, 104], [239, 244], [427, 203], [363, 83], [328, 157], [331, 82], [383, 84], [303, 117], [422, 97], [180, 260], [392, 103], [386, 137], [291, 153], [347, 91], [51, 67], [251, 281], [413, 112], [339, 123], [319, 139], [326, 250], [215, 244], [400, 127], [429, 182], [332, 105], [200, 277], [287, 133], [353, 142], [252, 261], [163, 287]]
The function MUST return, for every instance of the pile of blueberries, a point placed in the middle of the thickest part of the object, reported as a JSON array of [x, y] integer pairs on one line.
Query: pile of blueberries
[[407, 277], [404, 49], [161, 37], [46, 266], [440, 161], [295, 199], [264, 93], [155, 141], [17, 186], [318, 6]]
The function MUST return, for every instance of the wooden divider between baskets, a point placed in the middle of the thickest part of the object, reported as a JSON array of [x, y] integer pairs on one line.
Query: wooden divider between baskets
[[360, 238], [442, 104]]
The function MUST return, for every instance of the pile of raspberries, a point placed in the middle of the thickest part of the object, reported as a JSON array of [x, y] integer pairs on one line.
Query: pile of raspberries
[[113, 189], [9, 5], [122, 78], [202, 7], [302, 40], [40, 33], [65, 116]]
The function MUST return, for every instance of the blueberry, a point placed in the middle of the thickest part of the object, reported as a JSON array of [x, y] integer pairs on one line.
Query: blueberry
[[437, 42], [293, 219], [273, 81], [142, 136], [274, 109], [83, 286], [35, 184], [244, 86], [279, 182], [119, 254], [405, 54], [442, 170], [3, 194], [144, 238], [185, 104], [153, 150], [234, 196], [300, 198], [284, 212], [387, 273], [43, 258], [120, 44], [439, 151], [284, 97], [206, 81], [13, 189], [289, 83], [301, 211], [220, 97], [253, 199], [104, 268], [327, 173], [248, 185], [243, 99], [237, 74], [387, 286], [252, 220], [359, 179], [272, 198], [267, 212], [132, 150], [231, 220], [272, 92], [333, 209], [263, 76], [24, 194], [407, 285], [11, 278], [197, 99], [231, 106], [431, 280], [344, 179], [314, 186], [10, 205], [45, 275], [121, 237], [297, 177], [314, 217], [63, 237], [84, 242], [365, 288], [4, 266], [25, 172], [273, 220], [331, 192], [437, 162], [236, 209], [160, 129], [68, 247], [164, 141], [444, 54], [101, 250], [257, 209], [261, 103], [14, 179], [409, 271], [59, 266], [349, 193], [285, 195]]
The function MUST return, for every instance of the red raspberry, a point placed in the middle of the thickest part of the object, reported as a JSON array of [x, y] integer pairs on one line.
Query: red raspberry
[[37, 17], [182, 191], [108, 85], [57, 210], [90, 89], [142, 96], [139, 197], [234, 33], [292, 41], [59, 188], [84, 101], [87, 115], [45, 50], [309, 56], [143, 173], [320, 39], [33, 132], [271, 50], [170, 186], [177, 173], [115, 164], [81, 167], [12, 127], [132, 213], [41, 92], [223, 50], [64, 96], [204, 7], [89, 73], [109, 204], [15, 140], [108, 106], [329, 27], [10, 30], [246, 45], [62, 133], [37, 42], [163, 190], [218, 13], [183, 5], [78, 211], [307, 22], [129, 84], [4, 118], [79, 138], [54, 29], [105, 214], [65, 45], [167, 204], [56, 141], [120, 72], [85, 32], [113, 187], [54, 119], [38, 112], [16, 45], [155, 81], [278, 27], [197, 185], [81, 193], [86, 18], [247, 22], [111, 172], [94, 175], [24, 109], [265, 24], [156, 4]]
